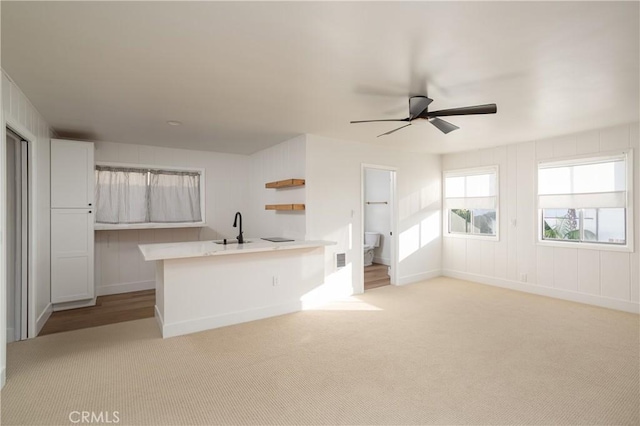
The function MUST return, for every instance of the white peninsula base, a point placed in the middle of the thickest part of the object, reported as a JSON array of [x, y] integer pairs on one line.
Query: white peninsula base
[[204, 285]]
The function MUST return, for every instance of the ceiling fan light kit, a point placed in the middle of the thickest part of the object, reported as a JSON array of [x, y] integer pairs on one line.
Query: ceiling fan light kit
[[419, 108]]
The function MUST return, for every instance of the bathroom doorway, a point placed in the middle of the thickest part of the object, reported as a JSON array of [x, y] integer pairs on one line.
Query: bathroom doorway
[[17, 235], [378, 225]]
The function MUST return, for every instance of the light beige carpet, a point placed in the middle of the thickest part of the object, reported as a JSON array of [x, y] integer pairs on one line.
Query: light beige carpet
[[444, 351]]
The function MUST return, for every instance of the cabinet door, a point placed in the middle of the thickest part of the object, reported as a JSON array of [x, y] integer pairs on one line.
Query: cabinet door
[[71, 255], [72, 174]]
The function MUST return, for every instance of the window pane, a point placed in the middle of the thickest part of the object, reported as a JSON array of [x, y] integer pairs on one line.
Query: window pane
[[611, 226], [604, 176], [481, 185], [454, 187], [560, 224], [484, 222], [555, 180], [585, 225], [599, 177], [459, 221], [589, 225]]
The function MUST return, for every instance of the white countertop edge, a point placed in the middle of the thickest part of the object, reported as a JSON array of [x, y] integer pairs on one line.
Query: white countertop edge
[[146, 225], [167, 251]]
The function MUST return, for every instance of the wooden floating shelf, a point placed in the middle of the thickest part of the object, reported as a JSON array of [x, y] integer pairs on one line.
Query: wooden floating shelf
[[282, 207], [287, 183]]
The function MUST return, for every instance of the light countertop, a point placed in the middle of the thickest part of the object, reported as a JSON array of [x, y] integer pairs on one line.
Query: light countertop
[[210, 248]]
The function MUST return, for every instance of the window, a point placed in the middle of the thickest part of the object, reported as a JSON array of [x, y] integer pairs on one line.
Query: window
[[127, 195], [585, 200], [470, 198]]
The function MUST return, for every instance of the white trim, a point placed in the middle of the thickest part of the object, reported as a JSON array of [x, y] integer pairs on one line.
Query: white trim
[[33, 207], [586, 246], [43, 317], [575, 160], [150, 166], [3, 377], [105, 290], [493, 238], [64, 306], [146, 225], [155, 225], [393, 201], [628, 156], [207, 323], [471, 172], [422, 276], [588, 299]]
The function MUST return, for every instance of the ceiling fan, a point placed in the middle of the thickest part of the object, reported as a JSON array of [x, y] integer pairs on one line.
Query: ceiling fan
[[419, 108]]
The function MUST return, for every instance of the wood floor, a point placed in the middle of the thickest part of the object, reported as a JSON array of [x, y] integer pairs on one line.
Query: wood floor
[[108, 310], [140, 304], [375, 276]]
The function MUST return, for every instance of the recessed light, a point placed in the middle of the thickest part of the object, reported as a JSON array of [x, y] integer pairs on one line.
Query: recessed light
[[174, 123]]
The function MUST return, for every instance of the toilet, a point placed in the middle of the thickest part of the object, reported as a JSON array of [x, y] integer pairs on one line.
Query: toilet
[[371, 241]]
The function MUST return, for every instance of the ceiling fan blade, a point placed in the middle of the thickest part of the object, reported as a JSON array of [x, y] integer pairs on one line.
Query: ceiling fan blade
[[470, 110], [394, 130], [444, 126], [375, 121], [418, 105]]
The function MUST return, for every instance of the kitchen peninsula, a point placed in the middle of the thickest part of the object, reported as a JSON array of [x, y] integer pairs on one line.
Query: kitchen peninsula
[[202, 285]]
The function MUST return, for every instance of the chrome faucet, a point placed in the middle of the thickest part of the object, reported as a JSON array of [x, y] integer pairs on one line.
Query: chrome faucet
[[235, 225]]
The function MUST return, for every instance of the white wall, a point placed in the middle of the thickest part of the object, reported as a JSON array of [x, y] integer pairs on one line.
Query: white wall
[[334, 210], [599, 277], [119, 266], [377, 217], [23, 118], [283, 161]]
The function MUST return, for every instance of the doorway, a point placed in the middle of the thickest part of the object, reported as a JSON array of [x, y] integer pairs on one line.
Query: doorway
[[17, 243], [378, 202]]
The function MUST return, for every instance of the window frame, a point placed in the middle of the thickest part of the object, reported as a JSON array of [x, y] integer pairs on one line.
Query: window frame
[[446, 212], [629, 211], [157, 225]]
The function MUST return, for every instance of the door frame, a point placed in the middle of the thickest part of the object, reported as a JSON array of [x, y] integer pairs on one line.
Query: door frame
[[26, 135], [393, 207]]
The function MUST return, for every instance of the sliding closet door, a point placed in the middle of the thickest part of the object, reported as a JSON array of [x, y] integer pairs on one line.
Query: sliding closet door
[[17, 236]]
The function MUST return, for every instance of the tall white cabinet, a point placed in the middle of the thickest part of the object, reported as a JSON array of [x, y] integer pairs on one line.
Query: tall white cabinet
[[72, 221]]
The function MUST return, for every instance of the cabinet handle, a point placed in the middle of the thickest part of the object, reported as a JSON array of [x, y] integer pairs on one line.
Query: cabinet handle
[[89, 203], [89, 211]]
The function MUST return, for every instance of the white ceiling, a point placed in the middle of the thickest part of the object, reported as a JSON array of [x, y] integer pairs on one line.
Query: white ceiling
[[244, 76]]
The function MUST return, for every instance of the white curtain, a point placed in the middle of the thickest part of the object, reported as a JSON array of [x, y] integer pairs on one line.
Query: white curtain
[[121, 195], [174, 196]]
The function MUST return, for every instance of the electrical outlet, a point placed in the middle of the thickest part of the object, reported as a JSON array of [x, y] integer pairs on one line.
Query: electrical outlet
[[275, 280], [523, 277]]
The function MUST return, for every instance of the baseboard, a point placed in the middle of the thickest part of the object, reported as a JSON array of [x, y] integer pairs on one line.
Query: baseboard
[[3, 377], [208, 323], [604, 302], [410, 279], [74, 305], [125, 288], [43, 317], [11, 334], [382, 260]]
